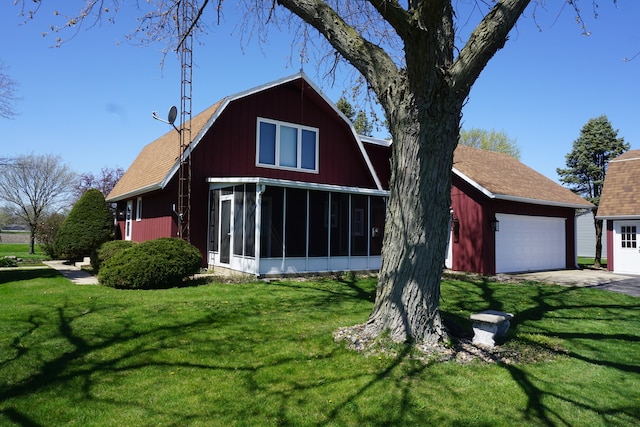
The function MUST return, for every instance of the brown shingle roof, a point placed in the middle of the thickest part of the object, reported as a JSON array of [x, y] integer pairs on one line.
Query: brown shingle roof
[[156, 160], [620, 196], [501, 176]]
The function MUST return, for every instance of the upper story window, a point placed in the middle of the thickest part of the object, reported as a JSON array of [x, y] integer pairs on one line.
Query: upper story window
[[287, 146]]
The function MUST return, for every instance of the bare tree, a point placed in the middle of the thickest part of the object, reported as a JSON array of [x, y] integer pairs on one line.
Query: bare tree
[[104, 181], [406, 52], [33, 184], [8, 98]]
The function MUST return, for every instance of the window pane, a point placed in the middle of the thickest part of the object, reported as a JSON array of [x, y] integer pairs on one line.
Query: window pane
[[359, 225], [288, 146], [214, 199], [267, 144], [238, 219], [296, 231], [250, 221], [318, 223], [308, 149], [378, 211], [271, 232], [339, 224]]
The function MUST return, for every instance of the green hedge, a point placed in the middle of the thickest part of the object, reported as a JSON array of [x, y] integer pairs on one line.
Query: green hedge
[[154, 264], [108, 250], [88, 225]]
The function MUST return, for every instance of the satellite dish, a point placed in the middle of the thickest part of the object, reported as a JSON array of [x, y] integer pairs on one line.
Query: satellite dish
[[173, 113]]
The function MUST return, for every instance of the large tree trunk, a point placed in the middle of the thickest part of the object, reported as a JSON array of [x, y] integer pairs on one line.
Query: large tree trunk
[[408, 295], [597, 223]]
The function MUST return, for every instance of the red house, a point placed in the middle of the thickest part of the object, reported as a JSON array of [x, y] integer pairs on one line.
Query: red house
[[280, 183], [506, 217]]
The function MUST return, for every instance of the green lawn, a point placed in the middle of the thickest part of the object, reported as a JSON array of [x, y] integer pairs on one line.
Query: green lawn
[[261, 353], [21, 251]]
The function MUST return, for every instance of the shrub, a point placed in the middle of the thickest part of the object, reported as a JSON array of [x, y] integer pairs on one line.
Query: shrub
[[107, 250], [88, 225], [154, 264], [47, 231], [8, 262]]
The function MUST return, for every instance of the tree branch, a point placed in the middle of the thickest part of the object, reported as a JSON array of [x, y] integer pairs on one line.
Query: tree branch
[[488, 37], [394, 14], [371, 60]]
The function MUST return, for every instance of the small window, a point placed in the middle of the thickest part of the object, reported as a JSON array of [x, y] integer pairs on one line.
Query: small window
[[629, 236], [287, 146], [139, 209]]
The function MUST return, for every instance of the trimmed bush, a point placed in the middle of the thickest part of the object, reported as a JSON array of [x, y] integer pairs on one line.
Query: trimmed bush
[[108, 250], [88, 225], [8, 262], [154, 264]]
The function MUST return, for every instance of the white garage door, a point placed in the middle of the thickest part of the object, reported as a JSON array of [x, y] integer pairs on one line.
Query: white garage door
[[529, 243]]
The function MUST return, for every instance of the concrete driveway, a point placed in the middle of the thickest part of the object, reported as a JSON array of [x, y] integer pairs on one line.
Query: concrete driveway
[[599, 279]]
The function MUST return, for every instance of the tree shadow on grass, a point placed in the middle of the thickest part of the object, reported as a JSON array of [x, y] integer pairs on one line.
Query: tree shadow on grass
[[554, 309]]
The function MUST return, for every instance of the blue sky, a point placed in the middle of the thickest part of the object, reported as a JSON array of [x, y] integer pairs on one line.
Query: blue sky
[[90, 101]]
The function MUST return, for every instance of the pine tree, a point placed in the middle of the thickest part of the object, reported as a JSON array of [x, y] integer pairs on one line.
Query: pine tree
[[587, 166], [88, 225]]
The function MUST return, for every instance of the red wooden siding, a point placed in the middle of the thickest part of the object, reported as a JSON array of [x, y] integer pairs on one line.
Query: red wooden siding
[[610, 245], [475, 247], [229, 148]]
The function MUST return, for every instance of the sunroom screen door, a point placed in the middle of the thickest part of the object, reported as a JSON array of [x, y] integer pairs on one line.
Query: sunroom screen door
[[225, 231]]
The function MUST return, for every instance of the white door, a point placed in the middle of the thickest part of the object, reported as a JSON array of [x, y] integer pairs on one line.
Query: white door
[[530, 243], [127, 221], [626, 256]]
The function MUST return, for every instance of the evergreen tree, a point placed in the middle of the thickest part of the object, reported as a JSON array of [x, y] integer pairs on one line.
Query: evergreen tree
[[88, 225], [587, 166], [359, 118]]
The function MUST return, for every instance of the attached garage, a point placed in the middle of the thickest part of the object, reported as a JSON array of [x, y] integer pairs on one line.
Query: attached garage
[[529, 243], [508, 218]]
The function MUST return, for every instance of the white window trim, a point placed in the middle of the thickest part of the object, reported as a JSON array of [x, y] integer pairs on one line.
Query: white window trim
[[139, 209], [299, 128]]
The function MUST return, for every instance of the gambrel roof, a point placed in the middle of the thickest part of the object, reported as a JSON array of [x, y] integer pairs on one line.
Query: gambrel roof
[[620, 197], [500, 176], [158, 161]]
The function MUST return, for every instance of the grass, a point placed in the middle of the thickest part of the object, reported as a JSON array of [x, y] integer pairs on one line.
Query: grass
[[262, 354], [586, 262], [21, 251]]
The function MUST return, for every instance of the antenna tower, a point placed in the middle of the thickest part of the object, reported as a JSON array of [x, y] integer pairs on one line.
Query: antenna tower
[[185, 22]]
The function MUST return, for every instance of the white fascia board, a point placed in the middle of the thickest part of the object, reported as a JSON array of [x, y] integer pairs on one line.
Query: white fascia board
[[375, 141], [137, 192], [297, 184], [542, 202], [473, 183], [619, 217]]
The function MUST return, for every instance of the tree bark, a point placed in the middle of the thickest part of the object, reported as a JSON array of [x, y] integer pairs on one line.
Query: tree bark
[[597, 223], [408, 294]]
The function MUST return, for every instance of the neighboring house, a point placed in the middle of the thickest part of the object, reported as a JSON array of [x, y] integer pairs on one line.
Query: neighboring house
[[280, 183], [620, 206], [586, 236], [506, 217]]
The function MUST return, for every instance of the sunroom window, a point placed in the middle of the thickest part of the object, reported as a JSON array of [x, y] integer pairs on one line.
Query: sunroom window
[[287, 146]]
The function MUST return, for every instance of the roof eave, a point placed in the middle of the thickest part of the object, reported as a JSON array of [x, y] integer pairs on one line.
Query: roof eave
[[555, 203], [489, 194], [618, 217], [136, 192]]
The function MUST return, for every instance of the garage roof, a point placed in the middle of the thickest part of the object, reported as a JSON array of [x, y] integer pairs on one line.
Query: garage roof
[[620, 196], [500, 176]]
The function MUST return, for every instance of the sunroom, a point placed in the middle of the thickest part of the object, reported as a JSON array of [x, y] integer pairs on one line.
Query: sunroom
[[271, 227]]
